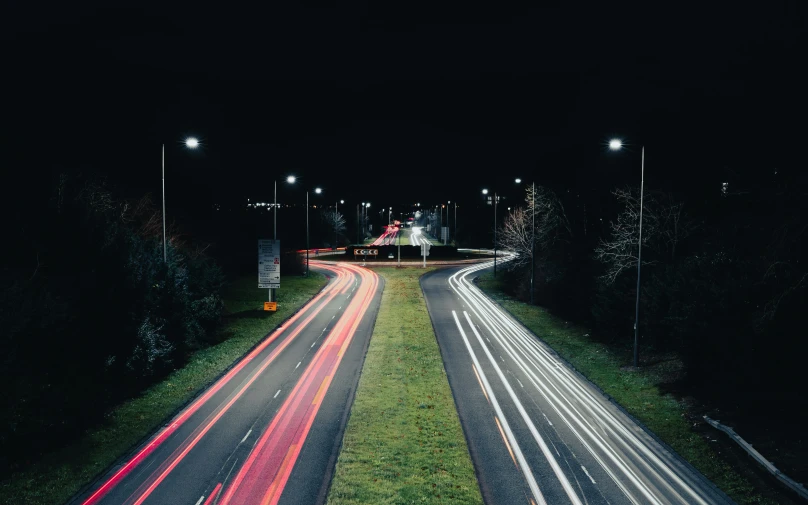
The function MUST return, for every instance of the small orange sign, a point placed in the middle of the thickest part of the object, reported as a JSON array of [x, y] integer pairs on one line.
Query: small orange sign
[[271, 306]]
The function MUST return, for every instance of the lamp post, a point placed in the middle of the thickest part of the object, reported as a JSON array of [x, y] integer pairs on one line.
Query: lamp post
[[290, 180], [191, 143], [318, 191], [485, 192], [616, 145]]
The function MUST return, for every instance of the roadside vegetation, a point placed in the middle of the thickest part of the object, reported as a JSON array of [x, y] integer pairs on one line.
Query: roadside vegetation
[[60, 474], [403, 442], [639, 392]]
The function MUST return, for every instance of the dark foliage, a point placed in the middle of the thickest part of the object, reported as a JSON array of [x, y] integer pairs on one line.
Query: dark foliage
[[92, 314]]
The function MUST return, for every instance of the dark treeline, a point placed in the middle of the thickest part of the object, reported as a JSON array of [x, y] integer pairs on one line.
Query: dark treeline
[[91, 312], [723, 280]]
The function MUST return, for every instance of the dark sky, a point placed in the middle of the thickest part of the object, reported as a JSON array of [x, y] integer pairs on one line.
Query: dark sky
[[405, 101]]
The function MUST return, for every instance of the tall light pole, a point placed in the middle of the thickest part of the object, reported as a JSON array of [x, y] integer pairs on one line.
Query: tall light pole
[[485, 192], [616, 145], [290, 180], [318, 191], [191, 143]]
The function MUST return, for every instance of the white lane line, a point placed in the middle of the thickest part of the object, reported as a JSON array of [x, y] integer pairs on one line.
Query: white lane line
[[312, 344], [562, 479], [547, 418], [245, 436], [520, 383], [466, 289], [529, 477], [298, 364], [587, 474], [200, 499], [276, 394]]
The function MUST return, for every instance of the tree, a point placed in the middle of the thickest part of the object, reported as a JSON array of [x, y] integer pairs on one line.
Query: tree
[[551, 226], [335, 222], [664, 226]]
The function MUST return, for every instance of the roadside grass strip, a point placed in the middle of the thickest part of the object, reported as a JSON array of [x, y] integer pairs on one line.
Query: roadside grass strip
[[637, 392], [58, 476], [403, 442]]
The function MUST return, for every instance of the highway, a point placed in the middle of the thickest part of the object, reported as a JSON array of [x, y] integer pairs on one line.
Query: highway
[[539, 432], [268, 431]]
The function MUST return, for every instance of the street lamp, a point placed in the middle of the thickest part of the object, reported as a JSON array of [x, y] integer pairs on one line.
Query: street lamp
[[190, 143], [616, 145], [318, 191], [290, 179], [485, 192]]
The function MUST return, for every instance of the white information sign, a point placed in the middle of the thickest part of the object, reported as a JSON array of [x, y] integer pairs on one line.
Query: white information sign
[[269, 264]]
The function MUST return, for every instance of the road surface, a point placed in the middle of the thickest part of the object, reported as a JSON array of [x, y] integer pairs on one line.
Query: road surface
[[538, 432], [268, 431]]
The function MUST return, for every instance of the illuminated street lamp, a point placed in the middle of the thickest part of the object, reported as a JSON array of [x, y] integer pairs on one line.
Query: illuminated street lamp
[[190, 143], [616, 145], [290, 179], [318, 191], [485, 192]]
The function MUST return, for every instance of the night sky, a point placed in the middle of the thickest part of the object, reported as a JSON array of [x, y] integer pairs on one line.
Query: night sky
[[402, 101]]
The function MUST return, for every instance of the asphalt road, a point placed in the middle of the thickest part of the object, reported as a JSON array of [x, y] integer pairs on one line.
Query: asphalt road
[[269, 430], [539, 432]]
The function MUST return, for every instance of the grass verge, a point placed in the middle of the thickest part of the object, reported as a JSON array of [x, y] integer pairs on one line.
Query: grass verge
[[59, 476], [637, 391], [403, 442]]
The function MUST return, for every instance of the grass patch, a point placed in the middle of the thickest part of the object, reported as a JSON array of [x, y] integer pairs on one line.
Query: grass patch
[[637, 391], [59, 476], [403, 442]]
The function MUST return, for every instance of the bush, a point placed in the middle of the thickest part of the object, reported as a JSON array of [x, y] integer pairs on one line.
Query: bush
[[92, 314]]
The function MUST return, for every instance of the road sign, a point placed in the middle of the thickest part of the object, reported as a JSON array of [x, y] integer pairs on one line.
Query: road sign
[[269, 264], [425, 248], [366, 252], [271, 306]]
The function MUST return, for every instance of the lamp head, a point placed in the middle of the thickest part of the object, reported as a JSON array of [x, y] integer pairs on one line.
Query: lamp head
[[615, 144], [192, 142]]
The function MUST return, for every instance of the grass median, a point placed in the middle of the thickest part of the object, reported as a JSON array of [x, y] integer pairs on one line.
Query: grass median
[[403, 442], [637, 391], [59, 476]]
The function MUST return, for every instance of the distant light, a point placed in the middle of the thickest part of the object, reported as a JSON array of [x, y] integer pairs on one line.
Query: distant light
[[318, 190], [192, 142], [518, 181], [342, 201], [615, 144], [485, 191], [367, 204], [291, 179]]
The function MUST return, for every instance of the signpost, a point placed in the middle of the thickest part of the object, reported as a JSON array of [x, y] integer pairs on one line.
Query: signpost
[[425, 245], [269, 267]]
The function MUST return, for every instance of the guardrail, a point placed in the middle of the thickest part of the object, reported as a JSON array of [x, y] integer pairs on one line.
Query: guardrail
[[791, 483]]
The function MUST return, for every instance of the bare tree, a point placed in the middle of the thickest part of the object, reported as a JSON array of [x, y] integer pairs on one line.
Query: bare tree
[[551, 225], [335, 222], [515, 236], [619, 252], [664, 226]]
